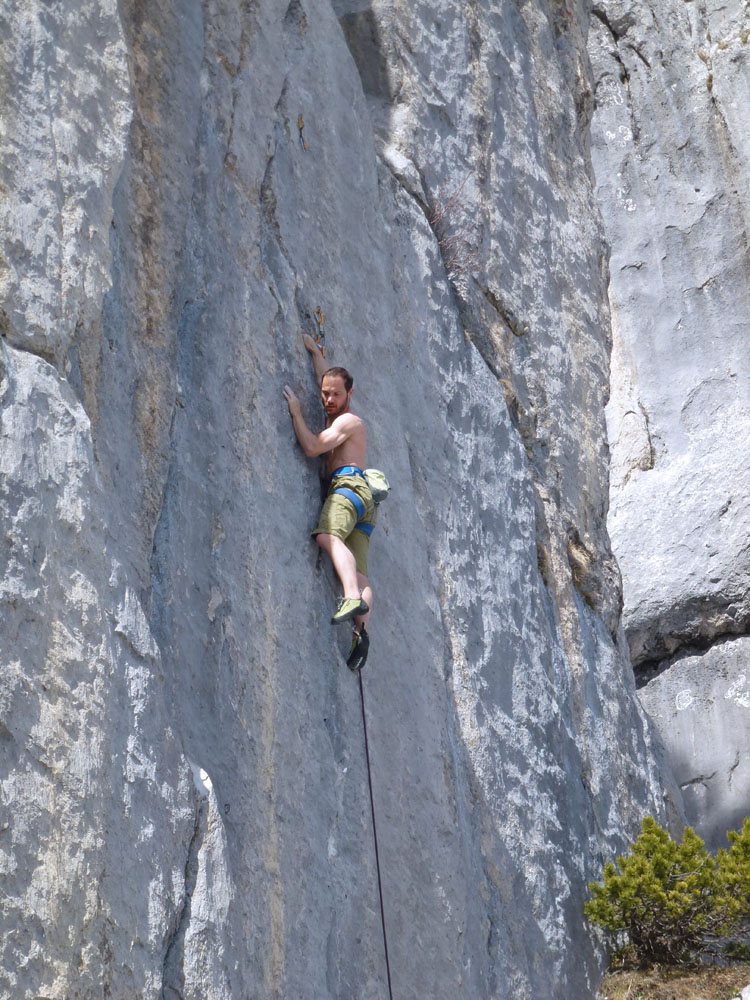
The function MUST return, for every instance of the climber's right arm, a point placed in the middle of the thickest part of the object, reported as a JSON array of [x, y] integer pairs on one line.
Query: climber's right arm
[[332, 437], [319, 363]]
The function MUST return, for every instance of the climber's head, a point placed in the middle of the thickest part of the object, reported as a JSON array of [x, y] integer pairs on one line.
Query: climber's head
[[342, 373], [336, 391]]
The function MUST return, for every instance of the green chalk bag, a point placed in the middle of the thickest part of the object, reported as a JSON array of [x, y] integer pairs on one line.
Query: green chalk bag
[[379, 485]]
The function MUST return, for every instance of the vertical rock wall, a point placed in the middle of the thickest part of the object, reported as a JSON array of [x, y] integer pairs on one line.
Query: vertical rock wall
[[183, 767], [672, 162]]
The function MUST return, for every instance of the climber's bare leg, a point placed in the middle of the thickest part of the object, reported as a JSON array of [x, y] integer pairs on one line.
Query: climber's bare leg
[[366, 591], [343, 562]]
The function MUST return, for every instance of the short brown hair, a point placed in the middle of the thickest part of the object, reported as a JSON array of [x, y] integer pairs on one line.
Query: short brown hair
[[342, 373]]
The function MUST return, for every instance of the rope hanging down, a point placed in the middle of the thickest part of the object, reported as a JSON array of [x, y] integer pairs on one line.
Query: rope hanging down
[[375, 837]]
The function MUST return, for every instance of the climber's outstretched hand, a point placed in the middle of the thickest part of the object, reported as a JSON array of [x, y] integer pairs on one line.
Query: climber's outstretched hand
[[295, 408]]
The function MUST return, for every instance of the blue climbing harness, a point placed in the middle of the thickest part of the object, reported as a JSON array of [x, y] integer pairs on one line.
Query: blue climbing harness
[[347, 470]]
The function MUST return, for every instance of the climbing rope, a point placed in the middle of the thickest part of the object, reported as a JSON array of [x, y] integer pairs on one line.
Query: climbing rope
[[375, 837]]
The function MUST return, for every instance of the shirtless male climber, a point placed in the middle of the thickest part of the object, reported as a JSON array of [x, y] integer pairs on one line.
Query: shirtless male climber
[[349, 513]]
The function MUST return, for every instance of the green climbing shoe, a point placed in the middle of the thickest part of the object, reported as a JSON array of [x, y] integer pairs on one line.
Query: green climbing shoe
[[360, 649], [349, 607]]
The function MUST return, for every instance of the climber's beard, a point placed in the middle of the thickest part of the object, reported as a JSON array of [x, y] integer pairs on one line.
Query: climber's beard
[[333, 411]]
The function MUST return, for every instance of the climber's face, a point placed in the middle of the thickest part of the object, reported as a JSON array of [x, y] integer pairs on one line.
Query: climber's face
[[334, 396]]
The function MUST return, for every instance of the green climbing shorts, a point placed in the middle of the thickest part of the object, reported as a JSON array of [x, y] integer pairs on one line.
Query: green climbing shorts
[[339, 517]]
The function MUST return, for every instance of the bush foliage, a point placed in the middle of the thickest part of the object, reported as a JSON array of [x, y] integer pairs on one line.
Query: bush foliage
[[668, 903]]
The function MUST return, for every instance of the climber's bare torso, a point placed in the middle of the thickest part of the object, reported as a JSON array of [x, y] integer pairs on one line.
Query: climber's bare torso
[[344, 424]]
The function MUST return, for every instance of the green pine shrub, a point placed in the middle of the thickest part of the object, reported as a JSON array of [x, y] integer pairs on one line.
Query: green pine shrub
[[667, 903]]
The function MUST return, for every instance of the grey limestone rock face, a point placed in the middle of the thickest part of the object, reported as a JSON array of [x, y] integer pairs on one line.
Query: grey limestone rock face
[[671, 156], [701, 706], [183, 769], [97, 799], [66, 112]]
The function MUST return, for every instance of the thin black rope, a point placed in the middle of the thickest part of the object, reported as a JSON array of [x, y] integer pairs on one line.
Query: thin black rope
[[375, 837]]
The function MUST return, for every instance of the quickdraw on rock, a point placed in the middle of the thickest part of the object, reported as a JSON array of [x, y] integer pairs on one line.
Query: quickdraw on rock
[[300, 126], [320, 338]]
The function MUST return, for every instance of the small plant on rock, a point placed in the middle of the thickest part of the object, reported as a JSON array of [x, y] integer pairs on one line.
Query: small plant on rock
[[668, 903], [458, 238]]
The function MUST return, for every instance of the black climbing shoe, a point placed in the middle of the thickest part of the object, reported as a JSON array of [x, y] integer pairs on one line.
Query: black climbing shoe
[[360, 649]]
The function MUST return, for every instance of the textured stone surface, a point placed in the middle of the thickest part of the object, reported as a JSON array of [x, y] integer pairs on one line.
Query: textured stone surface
[[97, 803], [183, 767], [671, 155], [66, 112], [701, 706]]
